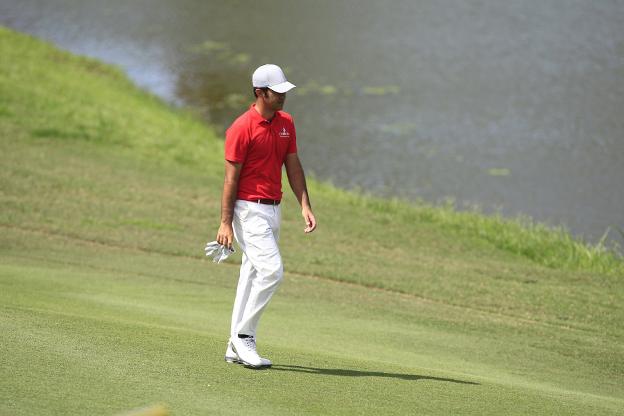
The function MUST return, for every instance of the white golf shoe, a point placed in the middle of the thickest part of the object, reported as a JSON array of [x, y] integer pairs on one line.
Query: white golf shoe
[[243, 351], [230, 355]]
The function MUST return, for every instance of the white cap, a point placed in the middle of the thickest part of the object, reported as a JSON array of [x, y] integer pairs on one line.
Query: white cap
[[271, 76]]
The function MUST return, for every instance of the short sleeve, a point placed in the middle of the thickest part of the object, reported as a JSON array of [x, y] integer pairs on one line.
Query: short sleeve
[[236, 143]]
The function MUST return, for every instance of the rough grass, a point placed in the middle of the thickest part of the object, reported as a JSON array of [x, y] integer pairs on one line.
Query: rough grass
[[106, 199]]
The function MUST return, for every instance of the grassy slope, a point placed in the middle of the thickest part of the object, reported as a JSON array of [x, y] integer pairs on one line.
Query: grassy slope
[[106, 199]]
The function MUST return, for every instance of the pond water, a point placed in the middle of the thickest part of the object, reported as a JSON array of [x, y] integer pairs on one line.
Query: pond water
[[516, 107]]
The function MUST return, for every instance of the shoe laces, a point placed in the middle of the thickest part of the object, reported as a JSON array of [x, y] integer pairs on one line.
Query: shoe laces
[[250, 343]]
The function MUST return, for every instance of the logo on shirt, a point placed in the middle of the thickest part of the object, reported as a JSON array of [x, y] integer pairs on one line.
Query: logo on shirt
[[284, 133]]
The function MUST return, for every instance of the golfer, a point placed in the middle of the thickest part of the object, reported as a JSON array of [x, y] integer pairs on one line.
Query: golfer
[[257, 144]]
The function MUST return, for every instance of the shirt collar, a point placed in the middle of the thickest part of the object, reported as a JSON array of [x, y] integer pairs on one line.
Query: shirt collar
[[256, 117]]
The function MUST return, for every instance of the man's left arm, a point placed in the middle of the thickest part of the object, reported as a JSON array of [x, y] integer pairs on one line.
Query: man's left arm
[[296, 179]]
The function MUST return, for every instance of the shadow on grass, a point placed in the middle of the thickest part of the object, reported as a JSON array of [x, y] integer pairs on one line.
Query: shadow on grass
[[356, 373]]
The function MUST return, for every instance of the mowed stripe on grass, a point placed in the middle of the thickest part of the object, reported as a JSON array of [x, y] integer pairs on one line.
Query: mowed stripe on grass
[[85, 331]]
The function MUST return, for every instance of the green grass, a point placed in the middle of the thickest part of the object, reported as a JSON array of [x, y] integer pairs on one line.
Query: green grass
[[107, 197]]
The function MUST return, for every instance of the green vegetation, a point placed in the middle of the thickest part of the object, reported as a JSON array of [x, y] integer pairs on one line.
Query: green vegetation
[[107, 197]]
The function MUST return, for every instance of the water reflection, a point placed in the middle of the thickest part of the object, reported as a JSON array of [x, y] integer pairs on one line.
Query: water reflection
[[217, 82]]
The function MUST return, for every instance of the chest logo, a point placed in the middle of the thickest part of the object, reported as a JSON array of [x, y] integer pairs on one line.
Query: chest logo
[[284, 133]]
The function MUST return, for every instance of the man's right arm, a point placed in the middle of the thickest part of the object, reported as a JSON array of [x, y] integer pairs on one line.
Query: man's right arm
[[225, 235]]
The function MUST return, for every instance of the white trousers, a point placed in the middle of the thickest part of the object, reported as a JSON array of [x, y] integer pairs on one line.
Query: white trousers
[[256, 229]]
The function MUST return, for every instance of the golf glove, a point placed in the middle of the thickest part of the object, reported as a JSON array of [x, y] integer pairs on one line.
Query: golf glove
[[217, 251]]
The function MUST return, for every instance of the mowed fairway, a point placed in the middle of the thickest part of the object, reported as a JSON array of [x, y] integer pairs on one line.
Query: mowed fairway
[[107, 198]]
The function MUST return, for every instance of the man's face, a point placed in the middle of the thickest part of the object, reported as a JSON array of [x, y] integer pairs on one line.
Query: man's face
[[274, 100]]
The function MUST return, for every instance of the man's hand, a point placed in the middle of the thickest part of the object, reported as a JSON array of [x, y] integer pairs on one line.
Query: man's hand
[[296, 177], [225, 235], [309, 219]]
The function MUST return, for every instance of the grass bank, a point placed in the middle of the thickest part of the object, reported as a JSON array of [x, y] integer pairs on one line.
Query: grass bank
[[107, 197]]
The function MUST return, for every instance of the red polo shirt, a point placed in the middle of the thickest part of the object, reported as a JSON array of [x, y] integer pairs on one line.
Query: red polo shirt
[[261, 146]]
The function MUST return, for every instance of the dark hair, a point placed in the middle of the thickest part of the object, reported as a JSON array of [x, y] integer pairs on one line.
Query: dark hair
[[259, 88]]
